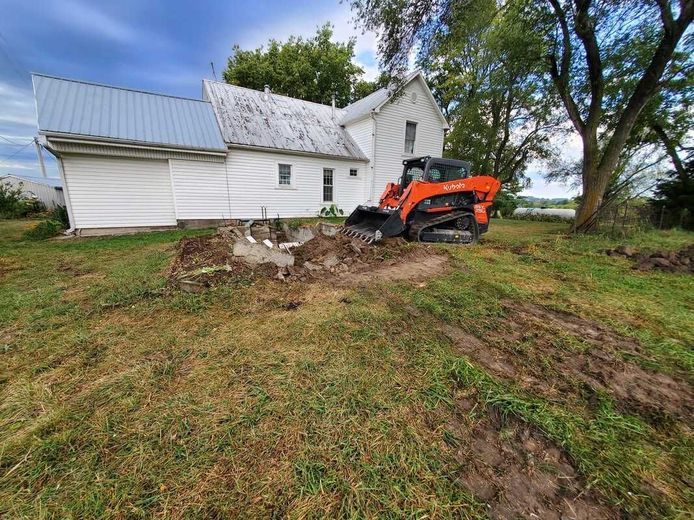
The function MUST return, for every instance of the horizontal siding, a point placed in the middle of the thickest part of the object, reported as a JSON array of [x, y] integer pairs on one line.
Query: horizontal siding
[[200, 190], [390, 133], [253, 183], [117, 192], [362, 133]]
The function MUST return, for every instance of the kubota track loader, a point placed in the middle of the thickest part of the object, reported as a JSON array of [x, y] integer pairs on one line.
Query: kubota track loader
[[437, 200]]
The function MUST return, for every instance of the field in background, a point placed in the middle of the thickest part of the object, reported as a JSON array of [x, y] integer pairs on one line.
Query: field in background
[[121, 397]]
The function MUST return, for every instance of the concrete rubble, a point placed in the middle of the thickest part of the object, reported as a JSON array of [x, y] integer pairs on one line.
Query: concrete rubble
[[672, 261], [250, 250]]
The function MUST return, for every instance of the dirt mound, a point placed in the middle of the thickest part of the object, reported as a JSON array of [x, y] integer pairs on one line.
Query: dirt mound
[[516, 471], [671, 261], [598, 368], [209, 260]]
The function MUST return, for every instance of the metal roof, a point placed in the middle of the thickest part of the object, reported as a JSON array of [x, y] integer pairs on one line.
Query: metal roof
[[86, 109], [266, 120], [54, 182], [364, 106], [374, 101]]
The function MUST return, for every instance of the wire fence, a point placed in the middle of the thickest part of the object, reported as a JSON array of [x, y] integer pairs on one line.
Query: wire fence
[[628, 217]]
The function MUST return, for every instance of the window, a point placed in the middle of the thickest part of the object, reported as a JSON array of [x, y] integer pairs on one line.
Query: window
[[410, 134], [328, 184], [284, 177], [444, 172], [353, 172]]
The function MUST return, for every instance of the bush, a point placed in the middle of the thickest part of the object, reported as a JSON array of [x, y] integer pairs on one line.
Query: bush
[[10, 201], [331, 211], [44, 229], [14, 205], [59, 213]]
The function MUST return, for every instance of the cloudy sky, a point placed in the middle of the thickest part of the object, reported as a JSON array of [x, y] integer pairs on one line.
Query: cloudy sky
[[160, 46]]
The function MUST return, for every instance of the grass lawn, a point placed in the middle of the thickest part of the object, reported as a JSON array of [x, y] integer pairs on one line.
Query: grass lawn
[[123, 398]]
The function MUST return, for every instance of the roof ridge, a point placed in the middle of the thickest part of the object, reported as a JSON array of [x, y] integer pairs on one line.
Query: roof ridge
[[272, 93], [96, 84]]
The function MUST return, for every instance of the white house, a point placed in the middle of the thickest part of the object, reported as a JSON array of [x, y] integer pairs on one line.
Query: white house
[[132, 160], [48, 190]]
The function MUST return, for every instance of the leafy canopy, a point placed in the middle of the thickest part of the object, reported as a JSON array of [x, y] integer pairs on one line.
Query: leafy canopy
[[312, 69]]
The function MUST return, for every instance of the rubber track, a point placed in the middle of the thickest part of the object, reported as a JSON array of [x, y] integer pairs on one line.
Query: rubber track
[[416, 229]]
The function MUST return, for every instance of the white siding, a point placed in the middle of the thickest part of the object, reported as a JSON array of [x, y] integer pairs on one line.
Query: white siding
[[49, 195], [201, 190], [253, 182], [118, 192], [362, 134], [390, 134]]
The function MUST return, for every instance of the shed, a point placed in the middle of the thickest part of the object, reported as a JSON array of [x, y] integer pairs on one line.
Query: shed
[[48, 190]]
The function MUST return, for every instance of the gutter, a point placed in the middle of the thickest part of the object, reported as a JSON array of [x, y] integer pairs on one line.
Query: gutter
[[122, 143]]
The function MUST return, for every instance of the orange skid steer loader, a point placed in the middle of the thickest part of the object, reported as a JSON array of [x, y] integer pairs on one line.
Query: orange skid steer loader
[[437, 200]]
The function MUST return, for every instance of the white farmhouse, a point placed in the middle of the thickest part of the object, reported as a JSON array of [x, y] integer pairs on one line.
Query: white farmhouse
[[132, 160]]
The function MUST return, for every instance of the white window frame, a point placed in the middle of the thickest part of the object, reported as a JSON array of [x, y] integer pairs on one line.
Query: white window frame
[[414, 142], [323, 185], [292, 180], [349, 174]]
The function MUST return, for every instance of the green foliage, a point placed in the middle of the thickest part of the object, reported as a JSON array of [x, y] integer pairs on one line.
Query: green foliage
[[674, 199], [59, 213], [44, 229], [505, 202], [331, 211], [312, 69], [482, 71], [11, 202]]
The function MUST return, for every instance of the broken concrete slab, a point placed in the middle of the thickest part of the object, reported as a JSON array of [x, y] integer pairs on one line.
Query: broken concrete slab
[[260, 254], [329, 230], [299, 234], [191, 286]]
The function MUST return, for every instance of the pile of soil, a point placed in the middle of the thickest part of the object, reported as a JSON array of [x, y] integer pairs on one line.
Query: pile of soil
[[673, 261], [207, 261]]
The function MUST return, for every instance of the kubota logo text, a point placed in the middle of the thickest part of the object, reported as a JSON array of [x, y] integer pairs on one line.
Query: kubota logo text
[[456, 186]]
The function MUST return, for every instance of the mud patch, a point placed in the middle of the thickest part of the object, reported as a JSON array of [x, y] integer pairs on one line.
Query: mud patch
[[516, 471], [524, 352]]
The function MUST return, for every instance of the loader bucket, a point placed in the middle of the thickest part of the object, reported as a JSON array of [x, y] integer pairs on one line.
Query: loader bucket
[[371, 223]]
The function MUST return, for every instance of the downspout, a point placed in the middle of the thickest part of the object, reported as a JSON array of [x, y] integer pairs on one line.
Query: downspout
[[373, 157], [66, 194]]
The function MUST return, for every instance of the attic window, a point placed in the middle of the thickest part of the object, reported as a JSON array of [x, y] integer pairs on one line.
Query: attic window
[[353, 172], [284, 177], [410, 134]]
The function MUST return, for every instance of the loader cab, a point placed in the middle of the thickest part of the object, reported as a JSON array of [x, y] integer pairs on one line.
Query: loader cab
[[433, 169]]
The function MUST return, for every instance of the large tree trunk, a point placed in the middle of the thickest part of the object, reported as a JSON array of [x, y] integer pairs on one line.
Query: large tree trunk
[[593, 185]]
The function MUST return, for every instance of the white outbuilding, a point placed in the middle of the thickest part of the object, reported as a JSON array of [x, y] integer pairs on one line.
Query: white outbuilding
[[132, 160], [48, 190]]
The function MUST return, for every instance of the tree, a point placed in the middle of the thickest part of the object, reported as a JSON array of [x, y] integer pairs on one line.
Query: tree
[[312, 69], [484, 73], [583, 39]]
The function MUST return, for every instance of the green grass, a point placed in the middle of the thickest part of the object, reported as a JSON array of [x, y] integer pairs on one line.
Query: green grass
[[120, 397]]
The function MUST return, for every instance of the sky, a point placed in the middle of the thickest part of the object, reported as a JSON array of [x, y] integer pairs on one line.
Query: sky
[[159, 46]]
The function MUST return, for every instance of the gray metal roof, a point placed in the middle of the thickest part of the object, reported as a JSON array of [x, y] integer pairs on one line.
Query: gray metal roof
[[253, 118], [92, 110], [54, 182], [375, 100], [364, 106]]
